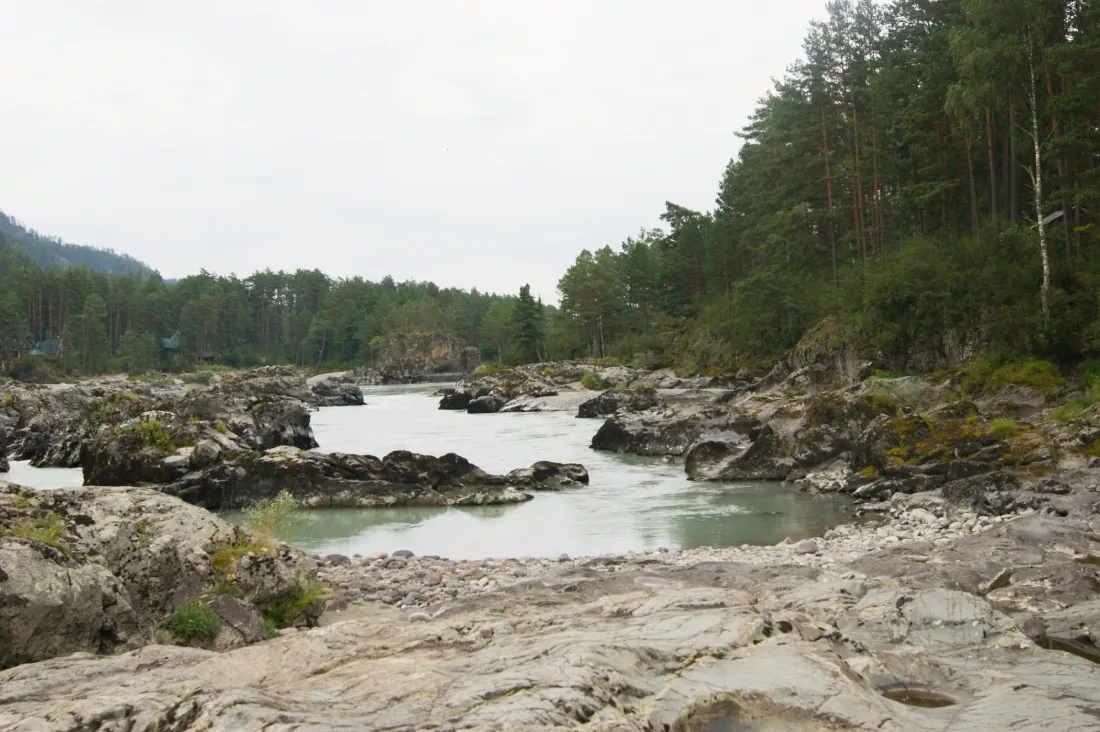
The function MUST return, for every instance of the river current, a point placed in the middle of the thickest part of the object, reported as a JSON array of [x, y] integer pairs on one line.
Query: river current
[[632, 503]]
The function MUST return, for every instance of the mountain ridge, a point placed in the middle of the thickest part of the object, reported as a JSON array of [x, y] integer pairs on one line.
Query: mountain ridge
[[51, 252]]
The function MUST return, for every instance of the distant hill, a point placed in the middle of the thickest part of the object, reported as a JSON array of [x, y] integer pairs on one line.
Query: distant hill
[[50, 252]]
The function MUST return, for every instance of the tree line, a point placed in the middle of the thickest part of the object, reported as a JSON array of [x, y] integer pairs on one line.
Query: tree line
[[928, 171], [116, 322]]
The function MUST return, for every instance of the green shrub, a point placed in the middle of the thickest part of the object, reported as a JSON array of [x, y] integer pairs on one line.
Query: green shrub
[[880, 375], [224, 559], [274, 517], [984, 376], [549, 372], [155, 435], [1004, 428], [488, 369], [220, 427], [202, 377], [1068, 413], [285, 611], [271, 628], [48, 529], [594, 382], [194, 621], [9, 400], [228, 586]]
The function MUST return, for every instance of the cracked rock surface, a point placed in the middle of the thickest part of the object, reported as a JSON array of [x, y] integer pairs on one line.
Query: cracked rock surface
[[646, 645]]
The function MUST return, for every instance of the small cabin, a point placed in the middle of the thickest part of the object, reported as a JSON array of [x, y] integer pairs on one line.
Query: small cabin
[[204, 358]]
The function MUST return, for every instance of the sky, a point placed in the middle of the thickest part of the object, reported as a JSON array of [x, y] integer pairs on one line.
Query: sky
[[473, 143]]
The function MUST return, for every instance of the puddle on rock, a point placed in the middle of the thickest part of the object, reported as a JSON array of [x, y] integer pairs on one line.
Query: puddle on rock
[[1081, 650], [729, 717], [916, 696]]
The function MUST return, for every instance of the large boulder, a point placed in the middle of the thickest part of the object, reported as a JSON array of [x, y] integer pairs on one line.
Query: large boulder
[[455, 400], [333, 393], [546, 475], [490, 404], [611, 401], [98, 570]]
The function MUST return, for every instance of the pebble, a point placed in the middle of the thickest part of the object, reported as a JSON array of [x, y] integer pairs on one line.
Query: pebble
[[809, 546], [419, 617]]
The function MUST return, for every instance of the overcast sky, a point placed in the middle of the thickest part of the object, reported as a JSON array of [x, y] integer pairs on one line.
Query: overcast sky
[[474, 144]]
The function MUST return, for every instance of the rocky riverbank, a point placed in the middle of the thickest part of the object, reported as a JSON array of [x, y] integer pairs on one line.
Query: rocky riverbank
[[965, 597], [978, 624], [240, 440]]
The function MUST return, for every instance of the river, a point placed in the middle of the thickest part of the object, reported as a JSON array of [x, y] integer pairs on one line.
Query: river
[[632, 503]]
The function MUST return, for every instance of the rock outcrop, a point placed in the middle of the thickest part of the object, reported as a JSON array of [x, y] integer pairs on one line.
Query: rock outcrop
[[612, 401], [52, 425], [334, 393], [219, 473], [414, 358], [889, 642], [98, 570]]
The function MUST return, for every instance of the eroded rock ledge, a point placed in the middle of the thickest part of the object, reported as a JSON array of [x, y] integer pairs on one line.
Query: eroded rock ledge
[[98, 570], [651, 642]]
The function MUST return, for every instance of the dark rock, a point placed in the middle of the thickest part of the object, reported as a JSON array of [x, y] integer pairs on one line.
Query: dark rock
[[455, 400], [610, 402], [736, 458], [490, 404], [991, 493], [240, 616], [403, 554], [548, 475], [331, 393], [337, 560]]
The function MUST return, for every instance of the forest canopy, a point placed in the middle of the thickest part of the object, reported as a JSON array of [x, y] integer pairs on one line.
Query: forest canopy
[[896, 176]]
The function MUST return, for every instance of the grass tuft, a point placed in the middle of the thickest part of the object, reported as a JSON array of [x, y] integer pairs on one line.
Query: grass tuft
[[47, 529], [194, 621], [286, 611], [1004, 428]]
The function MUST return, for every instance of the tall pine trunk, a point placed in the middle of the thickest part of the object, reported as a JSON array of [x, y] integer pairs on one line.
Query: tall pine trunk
[[1014, 169], [975, 219], [991, 151], [829, 199], [943, 179], [1037, 176]]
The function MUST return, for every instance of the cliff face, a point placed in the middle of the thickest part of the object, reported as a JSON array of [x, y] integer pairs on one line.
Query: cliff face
[[415, 357]]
